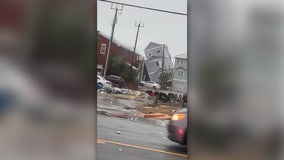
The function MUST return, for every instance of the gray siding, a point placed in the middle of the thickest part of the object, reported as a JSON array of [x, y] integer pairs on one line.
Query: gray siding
[[180, 82], [155, 56]]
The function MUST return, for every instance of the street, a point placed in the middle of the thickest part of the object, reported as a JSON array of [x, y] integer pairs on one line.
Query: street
[[122, 139]]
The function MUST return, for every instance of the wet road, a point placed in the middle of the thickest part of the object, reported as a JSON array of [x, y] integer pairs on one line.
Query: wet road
[[114, 103], [121, 139]]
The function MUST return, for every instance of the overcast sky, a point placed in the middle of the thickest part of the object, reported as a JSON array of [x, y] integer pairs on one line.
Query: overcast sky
[[159, 27]]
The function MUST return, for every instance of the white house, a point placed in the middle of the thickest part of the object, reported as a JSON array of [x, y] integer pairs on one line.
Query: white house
[[179, 83]]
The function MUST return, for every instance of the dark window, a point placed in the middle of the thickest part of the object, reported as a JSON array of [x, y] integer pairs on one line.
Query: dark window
[[157, 63]]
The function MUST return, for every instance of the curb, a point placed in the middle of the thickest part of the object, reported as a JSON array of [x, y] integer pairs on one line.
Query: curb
[[116, 114], [157, 116]]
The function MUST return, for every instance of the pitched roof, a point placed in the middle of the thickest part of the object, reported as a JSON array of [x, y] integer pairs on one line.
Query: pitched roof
[[183, 56], [118, 43], [152, 45]]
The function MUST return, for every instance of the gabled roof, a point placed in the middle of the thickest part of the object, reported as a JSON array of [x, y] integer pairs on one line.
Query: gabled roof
[[181, 67], [152, 45], [183, 56]]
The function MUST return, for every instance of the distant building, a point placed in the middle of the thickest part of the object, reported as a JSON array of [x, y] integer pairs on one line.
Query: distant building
[[154, 61], [179, 83], [116, 49]]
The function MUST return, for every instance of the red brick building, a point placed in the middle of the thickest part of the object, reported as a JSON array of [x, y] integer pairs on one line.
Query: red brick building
[[116, 49], [13, 22]]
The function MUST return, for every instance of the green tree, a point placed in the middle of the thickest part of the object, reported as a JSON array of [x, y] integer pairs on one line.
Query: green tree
[[164, 78], [118, 67]]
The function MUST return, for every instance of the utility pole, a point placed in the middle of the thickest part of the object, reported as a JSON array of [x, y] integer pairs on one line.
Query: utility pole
[[133, 55], [111, 37], [141, 72], [173, 74], [163, 59]]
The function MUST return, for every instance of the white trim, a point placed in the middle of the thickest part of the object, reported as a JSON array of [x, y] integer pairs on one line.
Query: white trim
[[180, 68], [103, 48], [154, 59], [99, 66]]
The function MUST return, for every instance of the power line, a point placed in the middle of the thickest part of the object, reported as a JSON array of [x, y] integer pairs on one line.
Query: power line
[[141, 7]]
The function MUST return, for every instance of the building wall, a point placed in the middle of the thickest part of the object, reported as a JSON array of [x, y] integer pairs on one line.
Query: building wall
[[155, 55], [157, 51], [180, 80], [115, 50], [181, 76], [179, 86]]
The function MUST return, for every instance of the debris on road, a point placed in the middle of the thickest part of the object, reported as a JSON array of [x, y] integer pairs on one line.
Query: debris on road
[[162, 112]]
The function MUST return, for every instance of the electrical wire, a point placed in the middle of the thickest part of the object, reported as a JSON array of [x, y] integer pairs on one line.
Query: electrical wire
[[141, 7]]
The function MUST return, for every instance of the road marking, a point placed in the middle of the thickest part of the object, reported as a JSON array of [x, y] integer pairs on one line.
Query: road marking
[[101, 141], [139, 147]]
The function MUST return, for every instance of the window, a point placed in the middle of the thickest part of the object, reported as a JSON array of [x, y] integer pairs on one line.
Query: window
[[157, 63], [150, 54], [177, 61], [158, 51], [180, 73], [103, 49], [181, 61]]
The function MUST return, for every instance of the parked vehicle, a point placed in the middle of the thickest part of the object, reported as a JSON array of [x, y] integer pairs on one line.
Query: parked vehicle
[[103, 82], [151, 84], [177, 127], [19, 90], [116, 80]]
